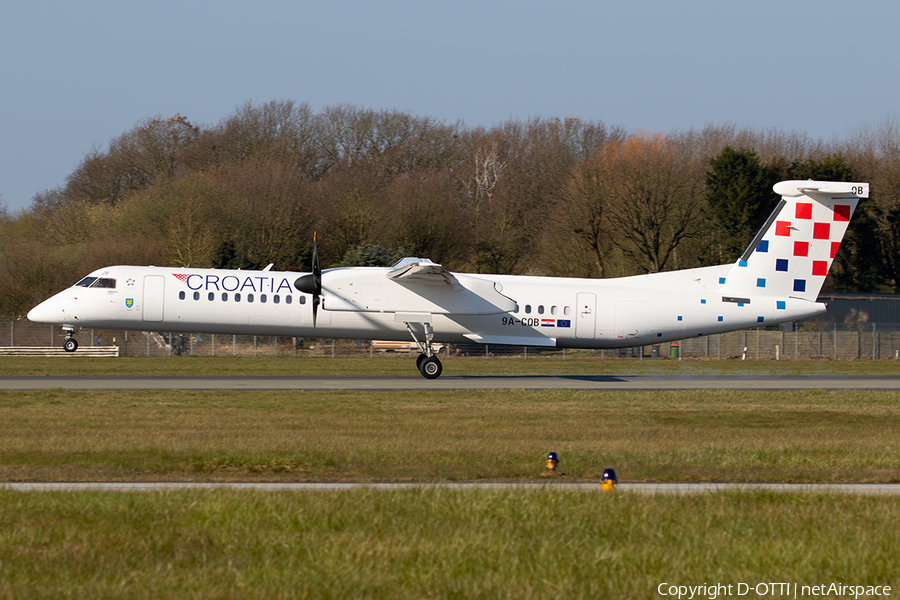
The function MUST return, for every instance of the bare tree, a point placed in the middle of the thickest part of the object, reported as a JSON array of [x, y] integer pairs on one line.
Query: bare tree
[[426, 219], [585, 211], [657, 199], [268, 217]]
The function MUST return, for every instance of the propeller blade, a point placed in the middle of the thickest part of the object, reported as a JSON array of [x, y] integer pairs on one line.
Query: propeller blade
[[312, 283]]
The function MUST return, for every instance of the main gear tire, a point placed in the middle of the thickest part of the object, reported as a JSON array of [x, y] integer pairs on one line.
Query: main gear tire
[[430, 367]]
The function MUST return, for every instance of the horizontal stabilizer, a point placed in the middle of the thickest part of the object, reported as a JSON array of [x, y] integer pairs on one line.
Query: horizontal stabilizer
[[809, 187]]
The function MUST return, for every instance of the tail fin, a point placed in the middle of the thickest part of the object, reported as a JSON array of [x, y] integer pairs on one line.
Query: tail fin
[[792, 253]]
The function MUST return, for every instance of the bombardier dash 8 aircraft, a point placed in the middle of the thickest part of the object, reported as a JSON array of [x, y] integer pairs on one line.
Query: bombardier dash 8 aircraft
[[776, 279]]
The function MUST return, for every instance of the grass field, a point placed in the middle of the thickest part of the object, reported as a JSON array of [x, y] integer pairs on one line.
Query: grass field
[[578, 363], [803, 436], [439, 543], [434, 543]]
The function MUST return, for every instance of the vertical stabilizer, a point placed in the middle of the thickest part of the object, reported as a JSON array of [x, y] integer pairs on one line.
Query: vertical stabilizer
[[792, 253]]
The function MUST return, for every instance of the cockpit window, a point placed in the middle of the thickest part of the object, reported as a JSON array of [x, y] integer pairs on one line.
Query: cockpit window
[[97, 282]]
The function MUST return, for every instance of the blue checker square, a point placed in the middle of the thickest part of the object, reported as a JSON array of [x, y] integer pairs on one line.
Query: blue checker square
[[680, 318], [799, 285], [742, 262], [761, 282], [721, 280], [780, 304], [781, 264], [703, 301], [721, 318], [763, 246], [760, 319]]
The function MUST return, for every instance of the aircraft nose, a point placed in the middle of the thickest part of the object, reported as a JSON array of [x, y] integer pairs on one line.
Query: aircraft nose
[[39, 314], [49, 311]]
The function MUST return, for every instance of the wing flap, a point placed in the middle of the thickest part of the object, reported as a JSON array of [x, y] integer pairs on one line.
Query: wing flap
[[512, 340]]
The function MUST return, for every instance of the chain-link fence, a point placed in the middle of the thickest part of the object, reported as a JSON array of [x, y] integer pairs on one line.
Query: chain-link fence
[[808, 340]]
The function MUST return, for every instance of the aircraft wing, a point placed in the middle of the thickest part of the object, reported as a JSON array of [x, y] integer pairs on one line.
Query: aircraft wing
[[413, 285], [422, 270]]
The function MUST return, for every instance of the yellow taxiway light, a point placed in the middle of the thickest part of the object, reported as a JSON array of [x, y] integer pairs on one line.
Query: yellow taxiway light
[[608, 480]]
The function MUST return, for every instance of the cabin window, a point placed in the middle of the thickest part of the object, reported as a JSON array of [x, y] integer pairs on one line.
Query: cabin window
[[237, 297], [516, 310], [276, 298], [288, 299], [541, 309], [224, 297], [527, 309], [302, 300], [211, 296], [196, 295], [249, 297], [553, 310], [262, 298], [566, 310], [181, 295]]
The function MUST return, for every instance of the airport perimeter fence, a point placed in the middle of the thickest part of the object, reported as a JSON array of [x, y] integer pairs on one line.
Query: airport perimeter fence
[[873, 341]]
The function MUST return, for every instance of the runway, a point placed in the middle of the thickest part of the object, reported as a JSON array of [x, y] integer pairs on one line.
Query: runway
[[415, 383], [880, 489]]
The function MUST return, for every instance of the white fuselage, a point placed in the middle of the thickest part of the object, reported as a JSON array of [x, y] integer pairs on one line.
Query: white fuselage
[[361, 303]]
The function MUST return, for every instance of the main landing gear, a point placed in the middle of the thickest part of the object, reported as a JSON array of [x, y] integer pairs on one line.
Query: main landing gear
[[70, 344], [429, 365]]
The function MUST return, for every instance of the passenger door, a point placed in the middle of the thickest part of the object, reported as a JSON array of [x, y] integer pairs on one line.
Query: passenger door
[[154, 294], [586, 318]]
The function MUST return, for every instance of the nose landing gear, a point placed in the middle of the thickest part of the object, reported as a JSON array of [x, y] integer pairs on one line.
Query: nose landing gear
[[70, 344]]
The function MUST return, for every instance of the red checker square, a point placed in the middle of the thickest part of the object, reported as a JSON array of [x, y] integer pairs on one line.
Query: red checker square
[[821, 231], [804, 210], [801, 248], [820, 267], [783, 228], [834, 248], [842, 212]]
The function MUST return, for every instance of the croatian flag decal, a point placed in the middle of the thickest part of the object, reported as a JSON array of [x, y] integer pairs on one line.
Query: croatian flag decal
[[548, 322]]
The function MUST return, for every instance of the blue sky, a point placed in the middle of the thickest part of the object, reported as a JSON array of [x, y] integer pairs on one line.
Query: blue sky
[[74, 75]]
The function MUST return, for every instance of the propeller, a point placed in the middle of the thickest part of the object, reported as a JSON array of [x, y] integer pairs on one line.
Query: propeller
[[312, 283]]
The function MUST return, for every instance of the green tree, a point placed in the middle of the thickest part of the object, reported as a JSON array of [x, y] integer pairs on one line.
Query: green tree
[[830, 168], [740, 197], [370, 255]]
